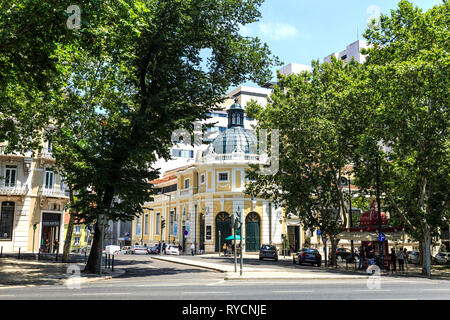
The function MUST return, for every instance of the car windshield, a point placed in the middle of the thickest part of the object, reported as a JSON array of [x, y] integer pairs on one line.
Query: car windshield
[[311, 251], [268, 248], [139, 247]]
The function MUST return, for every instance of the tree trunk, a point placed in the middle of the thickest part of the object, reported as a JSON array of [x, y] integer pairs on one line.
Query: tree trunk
[[68, 240], [426, 266], [95, 256], [334, 244]]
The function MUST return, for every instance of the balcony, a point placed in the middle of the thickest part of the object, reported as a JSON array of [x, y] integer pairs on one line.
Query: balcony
[[3, 152], [45, 154], [55, 192], [13, 190], [233, 157]]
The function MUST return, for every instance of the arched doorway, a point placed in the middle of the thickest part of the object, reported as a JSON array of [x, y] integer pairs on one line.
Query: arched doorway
[[252, 232], [223, 224]]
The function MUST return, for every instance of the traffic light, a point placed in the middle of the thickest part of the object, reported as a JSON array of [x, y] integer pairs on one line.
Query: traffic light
[[163, 223]]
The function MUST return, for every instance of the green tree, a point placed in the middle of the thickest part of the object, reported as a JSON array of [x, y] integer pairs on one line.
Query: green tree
[[409, 70], [314, 113], [142, 79]]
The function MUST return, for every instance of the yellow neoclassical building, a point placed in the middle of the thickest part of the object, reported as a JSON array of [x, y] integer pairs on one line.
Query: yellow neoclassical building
[[197, 201]]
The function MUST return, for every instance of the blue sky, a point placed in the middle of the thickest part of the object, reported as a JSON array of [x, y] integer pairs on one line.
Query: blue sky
[[303, 30]]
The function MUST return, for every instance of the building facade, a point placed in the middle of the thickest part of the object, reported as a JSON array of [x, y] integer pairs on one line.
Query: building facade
[[196, 201], [32, 198]]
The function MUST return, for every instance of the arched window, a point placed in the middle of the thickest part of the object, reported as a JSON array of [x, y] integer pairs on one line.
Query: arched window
[[6, 220]]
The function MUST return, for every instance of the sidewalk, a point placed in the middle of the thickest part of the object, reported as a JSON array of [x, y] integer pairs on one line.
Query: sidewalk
[[284, 269], [28, 273]]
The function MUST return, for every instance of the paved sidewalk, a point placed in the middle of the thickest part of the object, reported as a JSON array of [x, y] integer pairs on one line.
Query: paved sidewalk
[[28, 273], [284, 269]]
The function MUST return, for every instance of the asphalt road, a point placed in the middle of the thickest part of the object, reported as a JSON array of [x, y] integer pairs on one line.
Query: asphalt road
[[150, 279]]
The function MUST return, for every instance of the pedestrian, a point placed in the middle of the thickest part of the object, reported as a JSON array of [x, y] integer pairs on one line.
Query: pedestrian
[[361, 257], [55, 246], [370, 254], [400, 258], [164, 247], [192, 249], [224, 249], [405, 256], [393, 260], [180, 248]]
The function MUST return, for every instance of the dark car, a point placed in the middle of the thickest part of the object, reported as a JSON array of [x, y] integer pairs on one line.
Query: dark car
[[153, 250], [309, 256], [268, 251], [345, 254]]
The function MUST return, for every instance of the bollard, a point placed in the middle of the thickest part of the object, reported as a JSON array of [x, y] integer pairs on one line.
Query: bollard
[[1, 252], [346, 264], [85, 257], [112, 267], [56, 257], [39, 255], [18, 257]]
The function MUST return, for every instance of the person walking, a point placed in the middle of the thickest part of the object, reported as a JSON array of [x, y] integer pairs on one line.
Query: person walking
[[405, 256], [400, 258], [192, 249], [370, 254], [164, 247], [361, 257], [180, 248], [224, 249], [55, 246], [393, 260]]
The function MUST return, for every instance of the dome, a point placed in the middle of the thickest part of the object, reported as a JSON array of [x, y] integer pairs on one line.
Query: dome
[[234, 139]]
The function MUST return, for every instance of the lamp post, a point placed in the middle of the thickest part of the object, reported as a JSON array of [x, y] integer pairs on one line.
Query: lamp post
[[350, 146], [381, 260], [102, 216], [163, 226]]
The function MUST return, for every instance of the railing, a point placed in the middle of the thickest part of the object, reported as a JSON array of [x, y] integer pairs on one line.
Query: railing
[[230, 157], [186, 192], [54, 192], [46, 154], [14, 190]]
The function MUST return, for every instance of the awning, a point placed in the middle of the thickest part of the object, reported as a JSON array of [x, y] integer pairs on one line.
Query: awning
[[238, 237], [370, 236]]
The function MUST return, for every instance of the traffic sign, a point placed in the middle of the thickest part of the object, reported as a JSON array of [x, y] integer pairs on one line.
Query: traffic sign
[[319, 232], [186, 232], [382, 237]]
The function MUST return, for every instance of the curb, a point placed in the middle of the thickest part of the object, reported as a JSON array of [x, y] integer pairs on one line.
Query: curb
[[190, 264]]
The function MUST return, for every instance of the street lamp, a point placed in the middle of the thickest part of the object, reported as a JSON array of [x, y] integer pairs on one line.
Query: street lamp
[[163, 224], [350, 146]]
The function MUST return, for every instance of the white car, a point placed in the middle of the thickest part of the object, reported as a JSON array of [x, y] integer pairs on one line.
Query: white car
[[172, 250], [442, 257], [139, 250]]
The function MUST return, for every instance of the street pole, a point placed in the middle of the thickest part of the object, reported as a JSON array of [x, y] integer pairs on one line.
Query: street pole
[[240, 234], [350, 214], [379, 214], [220, 244], [195, 233], [234, 245]]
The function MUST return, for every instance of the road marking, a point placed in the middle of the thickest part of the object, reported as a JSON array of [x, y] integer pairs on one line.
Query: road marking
[[373, 290], [203, 292], [7, 295], [101, 294], [215, 283], [292, 291], [447, 289]]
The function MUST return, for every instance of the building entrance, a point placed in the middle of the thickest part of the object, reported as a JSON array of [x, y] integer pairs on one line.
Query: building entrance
[[51, 223]]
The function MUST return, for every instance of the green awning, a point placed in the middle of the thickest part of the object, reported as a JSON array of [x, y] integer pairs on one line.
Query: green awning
[[238, 237]]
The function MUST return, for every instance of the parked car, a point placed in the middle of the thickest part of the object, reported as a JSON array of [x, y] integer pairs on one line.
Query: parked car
[[308, 255], [153, 250], [170, 249], [268, 251], [139, 250], [413, 257], [126, 249], [442, 257]]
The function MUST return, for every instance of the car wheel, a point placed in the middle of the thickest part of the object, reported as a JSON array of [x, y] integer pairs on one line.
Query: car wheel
[[299, 262], [260, 259], [293, 260], [319, 264], [276, 259]]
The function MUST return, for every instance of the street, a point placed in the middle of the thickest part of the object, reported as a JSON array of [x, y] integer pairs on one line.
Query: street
[[149, 279]]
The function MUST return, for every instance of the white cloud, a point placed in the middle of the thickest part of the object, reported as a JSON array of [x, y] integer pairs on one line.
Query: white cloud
[[277, 31]]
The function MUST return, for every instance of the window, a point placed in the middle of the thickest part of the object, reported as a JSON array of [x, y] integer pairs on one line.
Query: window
[[171, 223], [186, 183], [76, 241], [146, 224], [202, 178], [222, 129], [10, 176], [48, 179], [223, 176], [6, 220], [158, 222], [77, 229]]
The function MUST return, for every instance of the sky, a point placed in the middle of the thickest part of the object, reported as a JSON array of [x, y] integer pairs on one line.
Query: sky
[[300, 31]]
